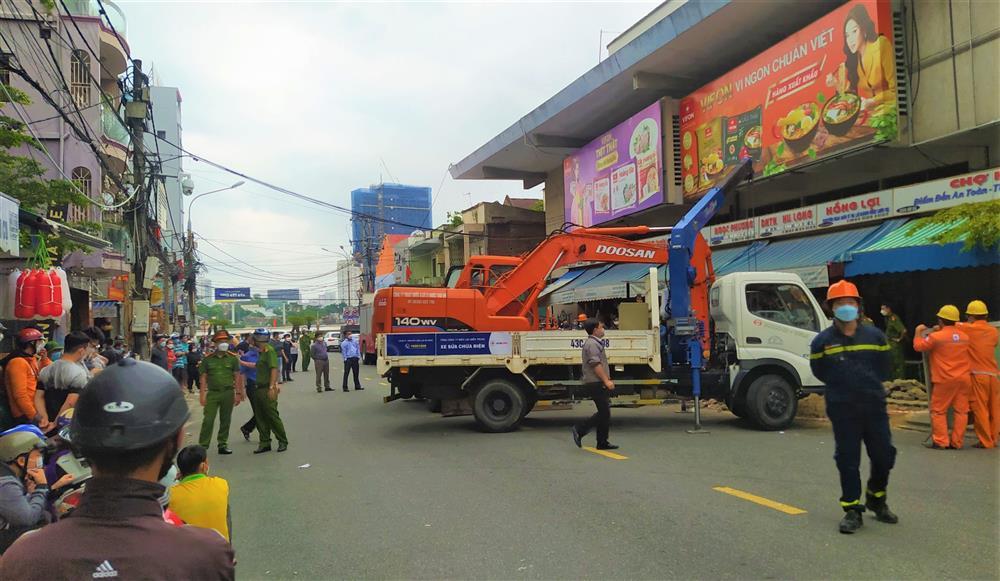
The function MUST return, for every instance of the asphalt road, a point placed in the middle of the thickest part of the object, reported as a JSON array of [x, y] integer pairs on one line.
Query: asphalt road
[[394, 492]]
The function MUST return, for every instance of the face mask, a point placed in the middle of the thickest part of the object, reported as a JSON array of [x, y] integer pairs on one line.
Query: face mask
[[223, 347], [56, 356], [884, 312], [846, 313], [163, 343]]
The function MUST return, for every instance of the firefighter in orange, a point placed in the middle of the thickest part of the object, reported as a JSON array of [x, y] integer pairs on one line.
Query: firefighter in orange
[[948, 347], [984, 398]]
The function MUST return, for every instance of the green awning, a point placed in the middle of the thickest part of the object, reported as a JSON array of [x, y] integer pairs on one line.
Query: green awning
[[899, 251], [901, 237]]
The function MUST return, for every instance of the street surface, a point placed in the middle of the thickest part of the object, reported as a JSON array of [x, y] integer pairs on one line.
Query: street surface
[[394, 492]]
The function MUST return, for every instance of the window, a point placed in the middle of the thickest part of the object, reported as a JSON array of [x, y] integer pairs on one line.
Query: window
[[79, 71], [82, 178], [4, 76], [787, 304]]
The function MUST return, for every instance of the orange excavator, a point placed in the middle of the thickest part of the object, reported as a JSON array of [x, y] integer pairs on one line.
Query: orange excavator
[[501, 293]]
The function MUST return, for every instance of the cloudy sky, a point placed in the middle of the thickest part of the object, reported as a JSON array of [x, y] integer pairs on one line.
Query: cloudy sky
[[322, 98]]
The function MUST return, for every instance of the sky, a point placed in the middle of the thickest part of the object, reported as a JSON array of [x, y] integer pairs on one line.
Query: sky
[[322, 98]]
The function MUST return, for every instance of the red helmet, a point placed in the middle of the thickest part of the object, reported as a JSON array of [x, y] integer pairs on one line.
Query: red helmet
[[29, 334]]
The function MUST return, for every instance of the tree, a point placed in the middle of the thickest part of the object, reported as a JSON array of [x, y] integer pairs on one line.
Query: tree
[[23, 178], [453, 219], [976, 224], [538, 206]]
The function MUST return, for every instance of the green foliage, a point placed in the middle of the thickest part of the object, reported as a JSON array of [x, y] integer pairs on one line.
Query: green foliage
[[23, 178], [977, 224], [453, 219], [538, 206], [885, 122]]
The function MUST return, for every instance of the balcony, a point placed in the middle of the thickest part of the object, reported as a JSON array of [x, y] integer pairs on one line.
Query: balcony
[[114, 48]]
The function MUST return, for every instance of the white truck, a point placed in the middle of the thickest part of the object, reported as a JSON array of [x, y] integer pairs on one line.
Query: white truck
[[758, 360]]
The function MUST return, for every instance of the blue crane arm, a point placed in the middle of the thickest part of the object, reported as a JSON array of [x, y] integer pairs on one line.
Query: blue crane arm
[[682, 240]]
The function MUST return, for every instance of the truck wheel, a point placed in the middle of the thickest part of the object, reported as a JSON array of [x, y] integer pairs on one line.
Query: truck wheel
[[529, 404], [771, 403], [498, 406]]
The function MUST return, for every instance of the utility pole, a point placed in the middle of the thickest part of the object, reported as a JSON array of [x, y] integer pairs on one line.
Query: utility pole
[[135, 113], [193, 285]]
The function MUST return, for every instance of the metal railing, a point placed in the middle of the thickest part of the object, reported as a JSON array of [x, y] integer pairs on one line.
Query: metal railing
[[92, 8], [112, 127]]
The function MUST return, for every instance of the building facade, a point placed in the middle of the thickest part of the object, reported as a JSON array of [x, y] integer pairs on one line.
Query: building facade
[[166, 109], [349, 281], [385, 209], [858, 115]]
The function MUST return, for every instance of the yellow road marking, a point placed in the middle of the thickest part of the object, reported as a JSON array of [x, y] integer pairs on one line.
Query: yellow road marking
[[785, 508], [605, 453]]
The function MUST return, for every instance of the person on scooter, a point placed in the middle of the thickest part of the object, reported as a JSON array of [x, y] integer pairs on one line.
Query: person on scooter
[[21, 378], [23, 488], [129, 424]]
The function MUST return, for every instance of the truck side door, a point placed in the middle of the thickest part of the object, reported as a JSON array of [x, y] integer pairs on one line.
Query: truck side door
[[783, 319]]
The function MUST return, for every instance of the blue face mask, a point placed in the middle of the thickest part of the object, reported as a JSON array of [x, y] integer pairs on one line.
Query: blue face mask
[[55, 356], [846, 313]]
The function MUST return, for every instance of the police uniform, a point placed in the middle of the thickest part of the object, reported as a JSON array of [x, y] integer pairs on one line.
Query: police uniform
[[896, 332], [265, 408], [853, 369], [220, 370]]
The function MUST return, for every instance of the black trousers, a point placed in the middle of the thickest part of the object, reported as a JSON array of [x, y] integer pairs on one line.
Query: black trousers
[[286, 369], [602, 419], [854, 423], [295, 360], [252, 424], [351, 365]]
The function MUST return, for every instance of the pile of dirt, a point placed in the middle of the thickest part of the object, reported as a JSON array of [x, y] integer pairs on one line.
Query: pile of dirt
[[905, 390], [811, 406], [714, 404]]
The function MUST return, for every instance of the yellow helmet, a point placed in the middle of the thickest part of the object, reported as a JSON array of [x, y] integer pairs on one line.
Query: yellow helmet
[[976, 308], [949, 313]]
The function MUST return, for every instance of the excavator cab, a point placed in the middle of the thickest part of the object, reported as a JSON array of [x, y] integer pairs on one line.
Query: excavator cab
[[481, 273]]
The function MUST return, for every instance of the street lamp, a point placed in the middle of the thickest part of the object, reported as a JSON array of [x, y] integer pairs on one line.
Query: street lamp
[[191, 203]]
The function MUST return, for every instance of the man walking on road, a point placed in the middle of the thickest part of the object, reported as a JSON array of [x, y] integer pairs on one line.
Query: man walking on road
[[304, 346], [248, 367], [322, 361], [985, 374], [266, 395], [221, 388], [853, 360], [351, 351], [951, 374], [596, 378]]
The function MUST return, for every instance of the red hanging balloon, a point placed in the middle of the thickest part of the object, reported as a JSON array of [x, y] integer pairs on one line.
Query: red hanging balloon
[[23, 308], [57, 293]]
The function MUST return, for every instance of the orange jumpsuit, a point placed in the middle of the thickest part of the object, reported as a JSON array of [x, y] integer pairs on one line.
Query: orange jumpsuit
[[985, 392], [21, 379], [950, 371]]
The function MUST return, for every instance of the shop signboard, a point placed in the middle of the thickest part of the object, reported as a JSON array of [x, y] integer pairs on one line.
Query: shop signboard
[[731, 232], [10, 226], [863, 208], [464, 343], [977, 186], [618, 173], [804, 99], [232, 295], [787, 222]]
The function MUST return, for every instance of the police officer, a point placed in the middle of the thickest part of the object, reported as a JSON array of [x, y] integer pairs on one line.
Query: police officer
[[221, 387], [265, 395], [853, 360], [129, 423]]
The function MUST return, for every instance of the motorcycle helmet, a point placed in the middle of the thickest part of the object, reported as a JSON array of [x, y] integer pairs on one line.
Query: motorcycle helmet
[[15, 443], [261, 334], [130, 405], [29, 335]]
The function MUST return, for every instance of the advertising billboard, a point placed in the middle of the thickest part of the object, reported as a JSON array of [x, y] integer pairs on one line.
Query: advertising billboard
[[827, 88], [229, 295], [618, 173], [284, 294]]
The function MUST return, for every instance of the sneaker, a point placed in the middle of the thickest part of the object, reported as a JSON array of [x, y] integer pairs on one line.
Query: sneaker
[[577, 438], [607, 446], [328, 389], [929, 444], [851, 522]]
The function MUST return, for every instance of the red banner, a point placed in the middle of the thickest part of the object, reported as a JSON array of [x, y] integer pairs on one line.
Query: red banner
[[829, 87]]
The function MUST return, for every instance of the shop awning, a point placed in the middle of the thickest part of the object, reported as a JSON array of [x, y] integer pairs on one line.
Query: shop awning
[[560, 282], [901, 251], [595, 283], [808, 257]]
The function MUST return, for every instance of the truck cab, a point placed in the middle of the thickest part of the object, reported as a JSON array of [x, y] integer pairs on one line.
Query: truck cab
[[764, 325]]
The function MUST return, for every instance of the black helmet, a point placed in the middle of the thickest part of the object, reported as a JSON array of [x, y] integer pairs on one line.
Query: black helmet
[[130, 405]]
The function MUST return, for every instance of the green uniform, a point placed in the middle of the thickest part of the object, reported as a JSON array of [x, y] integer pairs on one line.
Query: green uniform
[[265, 408], [220, 370], [895, 331], [304, 352]]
